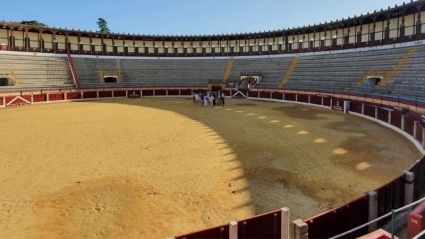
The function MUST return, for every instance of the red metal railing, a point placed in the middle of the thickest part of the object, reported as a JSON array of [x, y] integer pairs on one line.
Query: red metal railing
[[73, 71]]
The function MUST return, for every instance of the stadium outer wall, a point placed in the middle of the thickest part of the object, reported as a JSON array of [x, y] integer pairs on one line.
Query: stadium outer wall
[[406, 118]]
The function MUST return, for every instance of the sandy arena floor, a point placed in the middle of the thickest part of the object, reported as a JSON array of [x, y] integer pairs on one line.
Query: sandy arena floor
[[153, 168]]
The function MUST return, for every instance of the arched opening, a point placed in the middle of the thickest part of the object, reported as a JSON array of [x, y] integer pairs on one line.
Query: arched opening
[[371, 82], [110, 79]]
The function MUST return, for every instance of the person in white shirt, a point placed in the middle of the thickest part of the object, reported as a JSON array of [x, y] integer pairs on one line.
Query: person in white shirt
[[196, 99], [212, 100]]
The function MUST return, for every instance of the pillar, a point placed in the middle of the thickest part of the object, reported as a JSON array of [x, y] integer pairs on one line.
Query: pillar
[[296, 98], [300, 229], [97, 94], [376, 112], [126, 94], [309, 99], [402, 122], [47, 97], [233, 230], [32, 99], [284, 231], [65, 97], [141, 93], [389, 117], [323, 100], [81, 95], [283, 95], [373, 209], [258, 94], [362, 108], [113, 95], [409, 179]]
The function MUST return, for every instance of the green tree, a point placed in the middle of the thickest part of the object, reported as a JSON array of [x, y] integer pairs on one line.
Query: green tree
[[33, 23], [103, 25]]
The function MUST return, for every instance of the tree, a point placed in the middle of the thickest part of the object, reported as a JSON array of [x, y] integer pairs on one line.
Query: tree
[[33, 23], [103, 25]]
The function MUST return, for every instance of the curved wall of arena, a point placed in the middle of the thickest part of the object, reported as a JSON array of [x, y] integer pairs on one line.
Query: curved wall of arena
[[386, 26]]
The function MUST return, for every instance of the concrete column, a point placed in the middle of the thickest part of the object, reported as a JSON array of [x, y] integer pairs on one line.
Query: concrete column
[[32, 99], [362, 109], [113, 95], [389, 117], [346, 107], [300, 229], [48, 97], [409, 180], [373, 209], [284, 232], [296, 97], [376, 112], [65, 97], [97, 94], [258, 94], [141, 93], [81, 95], [126, 94], [4, 101], [233, 230], [402, 122], [323, 100], [283, 95], [309, 99]]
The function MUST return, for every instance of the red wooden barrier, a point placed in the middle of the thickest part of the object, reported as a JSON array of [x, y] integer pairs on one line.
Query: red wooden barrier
[[253, 94], [40, 98], [369, 110], [89, 95], [265, 94], [147, 93], [133, 93], [105, 94], [73, 95], [211, 233], [173, 92], [119, 93], [160, 92], [383, 114], [327, 101], [356, 107], [186, 92], [314, 99], [337, 104], [262, 226], [340, 220], [302, 98], [409, 125], [396, 119], [277, 95], [390, 196], [419, 133], [290, 97], [55, 97]]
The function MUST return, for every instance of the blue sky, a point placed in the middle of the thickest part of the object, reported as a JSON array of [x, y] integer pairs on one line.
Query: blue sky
[[187, 16]]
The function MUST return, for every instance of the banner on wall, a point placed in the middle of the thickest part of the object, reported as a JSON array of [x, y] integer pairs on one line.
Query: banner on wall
[[338, 105], [134, 94]]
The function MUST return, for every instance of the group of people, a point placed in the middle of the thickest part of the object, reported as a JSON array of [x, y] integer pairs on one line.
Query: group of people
[[209, 98]]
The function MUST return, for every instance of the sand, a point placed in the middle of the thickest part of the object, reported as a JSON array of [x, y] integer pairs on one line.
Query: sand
[[157, 167]]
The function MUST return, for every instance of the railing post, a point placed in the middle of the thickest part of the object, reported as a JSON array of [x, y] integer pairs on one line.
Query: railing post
[[47, 97], [402, 122], [376, 112], [296, 97], [284, 231], [362, 108], [32, 99], [373, 209], [300, 229], [233, 230], [323, 100], [415, 128], [65, 97], [389, 117], [409, 179]]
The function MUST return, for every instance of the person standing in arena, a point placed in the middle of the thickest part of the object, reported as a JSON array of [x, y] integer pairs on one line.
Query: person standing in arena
[[222, 98], [211, 100], [201, 98]]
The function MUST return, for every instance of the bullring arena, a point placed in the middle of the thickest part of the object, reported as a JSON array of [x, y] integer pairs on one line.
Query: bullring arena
[[101, 139]]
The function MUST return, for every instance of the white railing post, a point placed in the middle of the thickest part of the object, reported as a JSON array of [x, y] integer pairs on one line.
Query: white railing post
[[284, 233], [233, 230]]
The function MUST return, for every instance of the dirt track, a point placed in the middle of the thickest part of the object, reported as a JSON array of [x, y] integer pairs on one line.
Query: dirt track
[[153, 168]]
